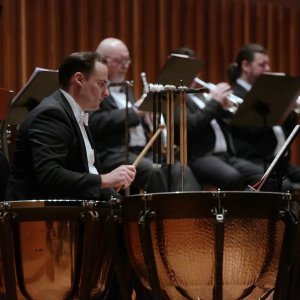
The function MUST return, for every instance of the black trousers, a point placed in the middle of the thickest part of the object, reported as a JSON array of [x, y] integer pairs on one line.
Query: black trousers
[[225, 171], [178, 178], [148, 177]]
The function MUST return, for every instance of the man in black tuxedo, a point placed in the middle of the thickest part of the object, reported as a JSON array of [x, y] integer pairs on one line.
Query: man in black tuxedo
[[258, 143], [211, 154], [210, 151], [53, 155], [108, 124]]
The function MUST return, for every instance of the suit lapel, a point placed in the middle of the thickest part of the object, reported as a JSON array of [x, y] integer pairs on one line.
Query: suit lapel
[[89, 135], [239, 91], [65, 104]]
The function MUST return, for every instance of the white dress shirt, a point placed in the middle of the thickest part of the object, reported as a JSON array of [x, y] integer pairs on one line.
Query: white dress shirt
[[220, 141], [80, 115], [137, 135]]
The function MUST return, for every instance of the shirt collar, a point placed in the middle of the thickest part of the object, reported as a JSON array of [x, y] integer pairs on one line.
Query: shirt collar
[[247, 86], [78, 112], [116, 89]]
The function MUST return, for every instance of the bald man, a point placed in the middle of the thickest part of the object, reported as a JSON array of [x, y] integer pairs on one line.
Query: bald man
[[108, 123], [108, 127], [118, 57]]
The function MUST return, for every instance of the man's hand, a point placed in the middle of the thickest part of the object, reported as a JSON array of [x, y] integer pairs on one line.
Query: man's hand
[[220, 94], [140, 113], [120, 177]]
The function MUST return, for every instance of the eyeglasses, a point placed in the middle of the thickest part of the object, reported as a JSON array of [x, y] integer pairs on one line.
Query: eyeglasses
[[121, 61], [102, 84]]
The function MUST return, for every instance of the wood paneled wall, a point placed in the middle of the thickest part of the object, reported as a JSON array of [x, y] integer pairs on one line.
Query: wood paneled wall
[[42, 32]]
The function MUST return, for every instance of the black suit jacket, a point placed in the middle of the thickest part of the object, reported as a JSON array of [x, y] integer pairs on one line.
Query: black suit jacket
[[50, 158], [257, 142], [107, 125], [200, 134]]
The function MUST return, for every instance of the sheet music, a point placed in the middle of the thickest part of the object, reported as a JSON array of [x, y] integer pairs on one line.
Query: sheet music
[[41, 83]]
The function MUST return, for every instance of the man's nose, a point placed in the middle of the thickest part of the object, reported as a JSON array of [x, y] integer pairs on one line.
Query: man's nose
[[106, 92]]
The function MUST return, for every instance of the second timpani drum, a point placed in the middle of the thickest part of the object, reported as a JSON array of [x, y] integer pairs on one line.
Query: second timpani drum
[[213, 245]]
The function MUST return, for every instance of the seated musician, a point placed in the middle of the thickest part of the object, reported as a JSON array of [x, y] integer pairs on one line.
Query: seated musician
[[211, 155], [53, 155], [260, 144], [108, 127]]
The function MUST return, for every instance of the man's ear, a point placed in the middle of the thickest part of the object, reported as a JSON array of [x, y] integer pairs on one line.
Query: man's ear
[[78, 78], [245, 66]]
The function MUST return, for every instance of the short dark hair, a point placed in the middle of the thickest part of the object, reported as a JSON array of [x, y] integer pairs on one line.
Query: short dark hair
[[247, 52], [83, 62]]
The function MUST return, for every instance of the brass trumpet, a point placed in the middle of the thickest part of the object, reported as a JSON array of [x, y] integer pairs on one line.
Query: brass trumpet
[[235, 100]]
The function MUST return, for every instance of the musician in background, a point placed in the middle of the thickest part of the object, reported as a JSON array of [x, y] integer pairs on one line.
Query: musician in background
[[108, 127], [211, 153], [53, 156], [258, 143]]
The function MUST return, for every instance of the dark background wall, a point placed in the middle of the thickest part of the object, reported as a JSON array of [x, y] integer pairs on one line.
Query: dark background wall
[[42, 32]]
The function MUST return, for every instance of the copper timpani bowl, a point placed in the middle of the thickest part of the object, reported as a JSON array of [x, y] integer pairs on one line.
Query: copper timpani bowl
[[54, 249], [213, 245]]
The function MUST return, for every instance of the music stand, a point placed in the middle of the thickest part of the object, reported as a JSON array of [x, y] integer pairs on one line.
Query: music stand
[[270, 100], [260, 184], [41, 84], [177, 70]]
